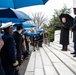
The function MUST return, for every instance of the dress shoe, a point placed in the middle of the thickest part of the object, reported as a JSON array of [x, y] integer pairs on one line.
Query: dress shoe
[[72, 53], [64, 50]]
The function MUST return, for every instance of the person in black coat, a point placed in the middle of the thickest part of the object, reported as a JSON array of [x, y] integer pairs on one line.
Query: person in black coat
[[40, 39], [74, 33], [64, 35], [35, 42], [8, 52], [18, 40]]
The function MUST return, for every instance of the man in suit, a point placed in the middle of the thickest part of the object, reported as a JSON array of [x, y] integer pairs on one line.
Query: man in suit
[[74, 33], [18, 40]]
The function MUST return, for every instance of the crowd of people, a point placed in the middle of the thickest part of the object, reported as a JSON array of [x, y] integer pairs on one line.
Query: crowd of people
[[14, 48]]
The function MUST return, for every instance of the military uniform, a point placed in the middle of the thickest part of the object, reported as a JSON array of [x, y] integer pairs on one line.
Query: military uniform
[[18, 40], [8, 54]]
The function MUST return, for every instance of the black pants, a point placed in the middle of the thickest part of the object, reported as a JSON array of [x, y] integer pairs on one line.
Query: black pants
[[40, 43]]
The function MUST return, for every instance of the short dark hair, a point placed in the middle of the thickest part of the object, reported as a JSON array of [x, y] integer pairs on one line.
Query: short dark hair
[[19, 27]]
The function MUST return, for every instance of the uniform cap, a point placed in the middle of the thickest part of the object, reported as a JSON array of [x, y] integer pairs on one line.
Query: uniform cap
[[6, 25]]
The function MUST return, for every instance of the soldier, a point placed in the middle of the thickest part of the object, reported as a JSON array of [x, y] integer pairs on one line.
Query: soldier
[[8, 51]]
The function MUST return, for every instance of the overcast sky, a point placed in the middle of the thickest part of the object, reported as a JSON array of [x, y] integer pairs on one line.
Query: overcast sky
[[49, 7]]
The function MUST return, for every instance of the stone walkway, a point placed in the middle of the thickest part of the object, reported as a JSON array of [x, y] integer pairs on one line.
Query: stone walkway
[[50, 60]]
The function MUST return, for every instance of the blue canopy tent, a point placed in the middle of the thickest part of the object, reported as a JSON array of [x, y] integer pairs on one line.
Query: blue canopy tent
[[38, 31], [24, 31], [26, 25], [13, 15], [14, 20], [20, 3], [32, 34]]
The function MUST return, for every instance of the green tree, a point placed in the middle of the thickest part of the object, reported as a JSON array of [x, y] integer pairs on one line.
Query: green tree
[[39, 19]]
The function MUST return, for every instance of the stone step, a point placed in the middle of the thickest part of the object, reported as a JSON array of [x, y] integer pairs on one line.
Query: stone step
[[61, 68], [48, 66], [39, 72], [31, 65], [50, 60], [38, 64], [38, 61], [58, 47], [70, 46], [71, 64]]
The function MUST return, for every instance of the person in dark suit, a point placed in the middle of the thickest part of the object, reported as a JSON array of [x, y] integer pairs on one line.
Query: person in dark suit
[[74, 33], [64, 35], [18, 40], [8, 51], [46, 37], [40, 39]]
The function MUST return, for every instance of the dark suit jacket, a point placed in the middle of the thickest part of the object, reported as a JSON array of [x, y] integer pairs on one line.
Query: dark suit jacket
[[18, 40], [74, 30], [74, 24]]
